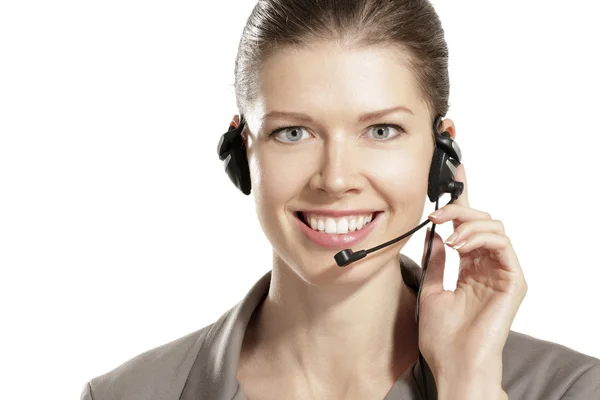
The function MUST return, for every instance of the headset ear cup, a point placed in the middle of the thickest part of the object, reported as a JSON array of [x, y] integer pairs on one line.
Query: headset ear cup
[[236, 166], [435, 186], [446, 158], [232, 151], [441, 176], [241, 158]]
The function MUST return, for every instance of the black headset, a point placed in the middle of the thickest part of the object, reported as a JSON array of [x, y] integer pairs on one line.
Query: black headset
[[446, 158]]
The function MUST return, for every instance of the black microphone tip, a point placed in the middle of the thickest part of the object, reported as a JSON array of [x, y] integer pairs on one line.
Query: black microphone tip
[[347, 256]]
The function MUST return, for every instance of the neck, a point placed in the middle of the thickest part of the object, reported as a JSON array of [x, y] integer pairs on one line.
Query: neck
[[341, 332]]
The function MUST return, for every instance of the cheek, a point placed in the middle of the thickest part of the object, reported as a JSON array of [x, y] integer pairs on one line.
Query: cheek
[[277, 177], [276, 180], [400, 175]]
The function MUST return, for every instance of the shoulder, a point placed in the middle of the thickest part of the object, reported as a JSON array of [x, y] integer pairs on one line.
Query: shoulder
[[536, 368], [159, 373]]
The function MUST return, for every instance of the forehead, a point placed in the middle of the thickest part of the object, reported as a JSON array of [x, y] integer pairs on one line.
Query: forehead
[[328, 77]]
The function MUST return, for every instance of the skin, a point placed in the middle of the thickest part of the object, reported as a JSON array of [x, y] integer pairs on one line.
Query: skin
[[325, 331]]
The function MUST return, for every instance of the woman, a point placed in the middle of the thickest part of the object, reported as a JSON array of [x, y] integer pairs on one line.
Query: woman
[[339, 102]]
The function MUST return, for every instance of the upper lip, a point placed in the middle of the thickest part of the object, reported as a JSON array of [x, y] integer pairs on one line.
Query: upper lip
[[339, 213]]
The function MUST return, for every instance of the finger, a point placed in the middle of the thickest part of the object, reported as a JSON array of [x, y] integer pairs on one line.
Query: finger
[[467, 229], [499, 247], [458, 214], [434, 274]]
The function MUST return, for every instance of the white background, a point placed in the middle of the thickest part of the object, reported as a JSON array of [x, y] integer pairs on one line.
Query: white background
[[119, 230]]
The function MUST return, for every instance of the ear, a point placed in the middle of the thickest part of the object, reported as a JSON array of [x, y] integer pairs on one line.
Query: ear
[[235, 121], [448, 125]]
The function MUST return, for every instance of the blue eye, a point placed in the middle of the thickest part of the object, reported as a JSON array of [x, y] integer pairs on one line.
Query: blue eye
[[383, 132], [294, 134], [290, 134]]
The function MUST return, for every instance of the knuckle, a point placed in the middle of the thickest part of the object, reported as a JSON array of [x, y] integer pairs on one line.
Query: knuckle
[[501, 241], [523, 288], [450, 207], [500, 224], [520, 286]]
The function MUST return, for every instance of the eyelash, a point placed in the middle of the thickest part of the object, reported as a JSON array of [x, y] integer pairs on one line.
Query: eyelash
[[400, 130]]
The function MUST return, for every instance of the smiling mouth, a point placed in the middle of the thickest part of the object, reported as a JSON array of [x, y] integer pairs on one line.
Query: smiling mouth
[[336, 225]]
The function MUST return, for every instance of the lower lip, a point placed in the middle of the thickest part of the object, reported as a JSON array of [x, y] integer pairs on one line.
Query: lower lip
[[337, 241]]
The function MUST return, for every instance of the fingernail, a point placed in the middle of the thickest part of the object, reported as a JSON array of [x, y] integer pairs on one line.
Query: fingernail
[[436, 214], [451, 239], [458, 246]]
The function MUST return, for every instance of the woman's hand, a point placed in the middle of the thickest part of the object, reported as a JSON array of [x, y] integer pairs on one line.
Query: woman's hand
[[462, 332]]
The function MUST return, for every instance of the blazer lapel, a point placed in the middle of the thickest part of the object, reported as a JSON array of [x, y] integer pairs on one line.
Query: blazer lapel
[[213, 374]]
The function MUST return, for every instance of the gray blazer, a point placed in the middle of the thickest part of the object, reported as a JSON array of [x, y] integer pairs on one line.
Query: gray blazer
[[203, 365]]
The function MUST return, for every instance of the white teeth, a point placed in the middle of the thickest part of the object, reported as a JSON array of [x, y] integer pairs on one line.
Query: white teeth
[[330, 226], [338, 226], [360, 223], [342, 226], [352, 225]]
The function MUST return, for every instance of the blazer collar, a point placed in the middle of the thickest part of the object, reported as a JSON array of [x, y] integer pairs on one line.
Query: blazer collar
[[213, 374]]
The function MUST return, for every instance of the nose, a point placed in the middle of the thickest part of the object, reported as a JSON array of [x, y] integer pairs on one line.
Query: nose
[[338, 172]]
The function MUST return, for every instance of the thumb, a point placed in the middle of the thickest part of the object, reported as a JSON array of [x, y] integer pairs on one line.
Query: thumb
[[434, 275]]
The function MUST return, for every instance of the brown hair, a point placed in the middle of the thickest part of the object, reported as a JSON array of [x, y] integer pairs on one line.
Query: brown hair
[[411, 26]]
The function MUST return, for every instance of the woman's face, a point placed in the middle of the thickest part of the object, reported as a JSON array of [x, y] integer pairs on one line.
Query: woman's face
[[331, 169]]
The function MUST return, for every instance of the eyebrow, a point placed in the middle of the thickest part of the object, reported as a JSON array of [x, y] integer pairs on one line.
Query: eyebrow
[[362, 118]]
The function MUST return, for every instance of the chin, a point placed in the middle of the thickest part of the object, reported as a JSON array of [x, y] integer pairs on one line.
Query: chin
[[323, 271]]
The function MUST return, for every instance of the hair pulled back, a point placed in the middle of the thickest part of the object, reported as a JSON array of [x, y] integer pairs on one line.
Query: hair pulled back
[[411, 26]]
